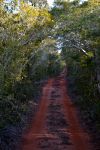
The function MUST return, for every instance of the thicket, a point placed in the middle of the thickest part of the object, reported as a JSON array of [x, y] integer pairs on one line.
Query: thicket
[[27, 56], [30, 38], [78, 30]]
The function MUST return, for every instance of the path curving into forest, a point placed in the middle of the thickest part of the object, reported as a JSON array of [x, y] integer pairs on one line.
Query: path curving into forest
[[56, 125]]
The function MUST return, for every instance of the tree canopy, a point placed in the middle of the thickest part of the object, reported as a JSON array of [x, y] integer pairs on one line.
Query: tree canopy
[[31, 37]]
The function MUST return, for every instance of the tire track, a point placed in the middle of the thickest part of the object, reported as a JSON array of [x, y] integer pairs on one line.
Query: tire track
[[56, 125]]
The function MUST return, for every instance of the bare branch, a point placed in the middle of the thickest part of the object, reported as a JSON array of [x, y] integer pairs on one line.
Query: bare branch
[[84, 51]]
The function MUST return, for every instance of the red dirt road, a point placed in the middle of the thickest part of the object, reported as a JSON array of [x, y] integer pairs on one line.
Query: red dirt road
[[56, 125]]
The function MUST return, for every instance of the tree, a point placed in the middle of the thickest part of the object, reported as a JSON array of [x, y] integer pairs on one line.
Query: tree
[[21, 35], [39, 3], [77, 28]]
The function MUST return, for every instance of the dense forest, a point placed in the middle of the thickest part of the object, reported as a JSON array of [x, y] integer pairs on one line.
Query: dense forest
[[37, 42]]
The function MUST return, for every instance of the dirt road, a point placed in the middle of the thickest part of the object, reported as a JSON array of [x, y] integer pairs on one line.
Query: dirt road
[[56, 125]]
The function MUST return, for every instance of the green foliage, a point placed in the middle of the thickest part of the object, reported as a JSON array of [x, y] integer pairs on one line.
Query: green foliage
[[10, 111], [29, 37], [24, 57], [78, 25]]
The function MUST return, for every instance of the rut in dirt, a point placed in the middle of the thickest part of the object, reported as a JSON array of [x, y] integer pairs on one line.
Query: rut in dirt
[[56, 125]]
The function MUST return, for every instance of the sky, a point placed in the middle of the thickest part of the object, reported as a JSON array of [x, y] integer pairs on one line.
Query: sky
[[50, 2]]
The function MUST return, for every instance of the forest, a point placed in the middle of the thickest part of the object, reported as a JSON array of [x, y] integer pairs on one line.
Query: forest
[[36, 43]]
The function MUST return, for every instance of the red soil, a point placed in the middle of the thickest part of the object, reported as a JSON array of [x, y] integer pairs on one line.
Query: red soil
[[46, 132]]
